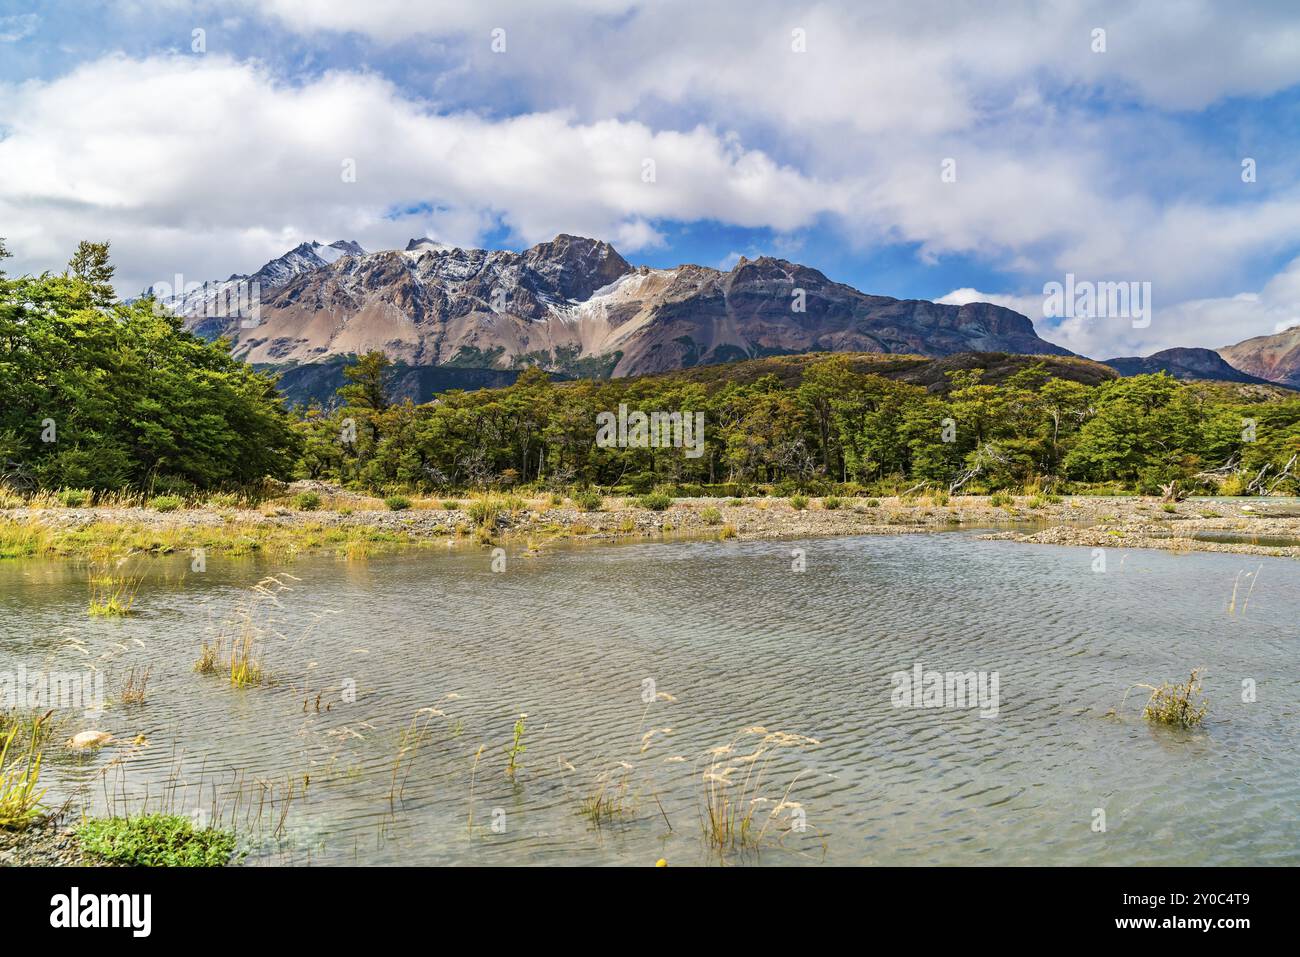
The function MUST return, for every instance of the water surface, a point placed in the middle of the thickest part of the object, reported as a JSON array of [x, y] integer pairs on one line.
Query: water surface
[[737, 638]]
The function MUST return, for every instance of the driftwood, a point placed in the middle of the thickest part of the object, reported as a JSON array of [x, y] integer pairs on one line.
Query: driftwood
[[1230, 467], [1257, 486], [985, 454]]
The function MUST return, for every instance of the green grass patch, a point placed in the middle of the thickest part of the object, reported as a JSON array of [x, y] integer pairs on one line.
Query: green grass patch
[[655, 501], [306, 501], [1177, 705], [156, 840], [31, 538], [74, 497]]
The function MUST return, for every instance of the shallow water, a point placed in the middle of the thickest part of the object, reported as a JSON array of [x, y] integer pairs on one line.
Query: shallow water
[[738, 639], [1246, 537]]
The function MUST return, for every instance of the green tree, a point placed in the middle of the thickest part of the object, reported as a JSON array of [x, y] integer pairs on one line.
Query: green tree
[[90, 264], [113, 395], [1146, 430], [367, 385], [824, 383]]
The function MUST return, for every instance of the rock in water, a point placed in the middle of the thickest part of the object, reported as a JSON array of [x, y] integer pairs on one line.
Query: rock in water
[[89, 739]]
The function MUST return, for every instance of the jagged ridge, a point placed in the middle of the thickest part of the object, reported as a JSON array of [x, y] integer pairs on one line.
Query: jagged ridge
[[574, 305]]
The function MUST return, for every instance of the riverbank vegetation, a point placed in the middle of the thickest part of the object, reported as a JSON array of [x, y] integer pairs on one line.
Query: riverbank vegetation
[[34, 537], [830, 429], [155, 840], [105, 395], [20, 773]]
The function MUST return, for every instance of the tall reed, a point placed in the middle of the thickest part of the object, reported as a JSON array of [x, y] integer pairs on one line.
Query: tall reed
[[20, 772]]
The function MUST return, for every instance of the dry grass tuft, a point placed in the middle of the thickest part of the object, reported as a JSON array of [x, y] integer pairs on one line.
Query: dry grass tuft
[[236, 652], [134, 686], [737, 812], [112, 595]]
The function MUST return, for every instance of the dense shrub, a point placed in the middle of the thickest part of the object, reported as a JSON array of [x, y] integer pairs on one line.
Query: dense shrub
[[655, 501], [102, 395]]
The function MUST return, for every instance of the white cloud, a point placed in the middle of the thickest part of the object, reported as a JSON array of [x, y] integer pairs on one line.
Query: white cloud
[[1031, 306], [924, 64], [208, 165], [1064, 156], [1210, 322], [1226, 320]]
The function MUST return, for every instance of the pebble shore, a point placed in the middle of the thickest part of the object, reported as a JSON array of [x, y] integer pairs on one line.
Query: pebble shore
[[50, 844], [1122, 522]]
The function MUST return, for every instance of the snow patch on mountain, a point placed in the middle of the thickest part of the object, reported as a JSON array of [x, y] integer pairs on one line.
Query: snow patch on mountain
[[198, 299]]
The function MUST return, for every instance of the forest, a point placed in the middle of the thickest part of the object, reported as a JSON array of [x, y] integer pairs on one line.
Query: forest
[[104, 395]]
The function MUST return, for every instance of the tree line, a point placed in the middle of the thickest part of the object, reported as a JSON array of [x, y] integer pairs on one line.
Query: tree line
[[835, 426], [97, 393]]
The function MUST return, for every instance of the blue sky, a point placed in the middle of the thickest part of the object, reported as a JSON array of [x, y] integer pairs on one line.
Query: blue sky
[[818, 133]]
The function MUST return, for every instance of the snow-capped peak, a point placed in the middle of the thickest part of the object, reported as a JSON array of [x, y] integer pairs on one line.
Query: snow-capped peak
[[419, 247]]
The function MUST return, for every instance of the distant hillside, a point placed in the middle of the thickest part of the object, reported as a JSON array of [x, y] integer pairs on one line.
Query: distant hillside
[[318, 382], [916, 370], [1275, 358], [1184, 364]]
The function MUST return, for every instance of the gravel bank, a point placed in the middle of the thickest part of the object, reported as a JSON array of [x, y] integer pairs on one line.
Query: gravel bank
[[44, 845], [1117, 522]]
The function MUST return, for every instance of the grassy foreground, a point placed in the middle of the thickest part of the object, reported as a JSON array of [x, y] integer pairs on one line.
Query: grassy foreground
[[37, 537], [332, 521]]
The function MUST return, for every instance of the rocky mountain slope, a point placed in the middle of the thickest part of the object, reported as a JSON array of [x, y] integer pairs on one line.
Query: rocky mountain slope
[[1183, 364], [202, 303], [575, 306], [1275, 358]]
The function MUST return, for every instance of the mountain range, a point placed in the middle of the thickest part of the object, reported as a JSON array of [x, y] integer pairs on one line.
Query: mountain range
[[1275, 358], [1183, 363], [577, 308]]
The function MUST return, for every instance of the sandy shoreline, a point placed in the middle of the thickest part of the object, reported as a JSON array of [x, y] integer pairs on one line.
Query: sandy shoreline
[[1129, 522]]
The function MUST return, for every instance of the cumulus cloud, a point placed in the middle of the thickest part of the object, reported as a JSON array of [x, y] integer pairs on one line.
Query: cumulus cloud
[[209, 164], [1210, 322], [831, 118]]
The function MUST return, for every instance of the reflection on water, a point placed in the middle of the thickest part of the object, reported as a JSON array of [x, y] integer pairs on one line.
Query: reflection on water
[[735, 638]]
